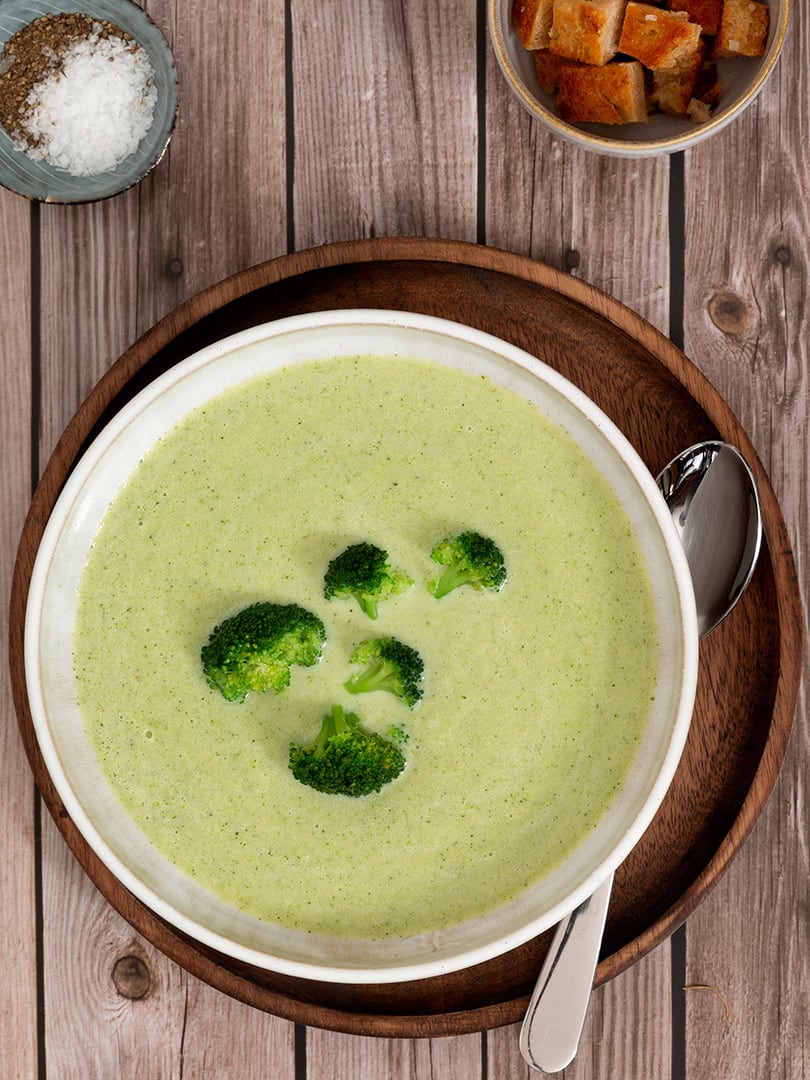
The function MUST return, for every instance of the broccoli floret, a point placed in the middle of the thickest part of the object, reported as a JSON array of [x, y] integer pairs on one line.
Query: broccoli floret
[[398, 735], [363, 571], [471, 559], [345, 759], [392, 666], [255, 649]]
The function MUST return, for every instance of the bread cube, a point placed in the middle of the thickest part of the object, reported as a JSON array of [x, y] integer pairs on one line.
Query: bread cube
[[699, 111], [610, 94], [547, 66], [707, 88], [532, 22], [657, 37], [704, 12], [674, 88], [586, 30], [743, 29]]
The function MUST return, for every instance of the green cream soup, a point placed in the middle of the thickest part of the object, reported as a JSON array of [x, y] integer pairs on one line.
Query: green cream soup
[[535, 697]]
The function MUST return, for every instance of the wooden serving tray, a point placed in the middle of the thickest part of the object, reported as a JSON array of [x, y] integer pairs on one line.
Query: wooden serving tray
[[749, 666]]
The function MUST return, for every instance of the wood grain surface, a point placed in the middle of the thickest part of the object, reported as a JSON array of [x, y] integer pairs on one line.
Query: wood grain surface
[[303, 125]]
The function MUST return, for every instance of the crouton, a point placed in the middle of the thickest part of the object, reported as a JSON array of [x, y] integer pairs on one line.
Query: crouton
[[743, 29], [547, 66], [707, 87], [657, 37], [668, 53], [704, 12], [532, 22], [673, 88], [699, 111], [611, 94], [586, 30]]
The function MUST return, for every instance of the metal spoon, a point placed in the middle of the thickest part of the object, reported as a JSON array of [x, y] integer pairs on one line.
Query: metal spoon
[[712, 496]]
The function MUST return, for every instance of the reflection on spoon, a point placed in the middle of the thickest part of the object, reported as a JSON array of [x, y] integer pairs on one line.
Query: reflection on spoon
[[712, 497]]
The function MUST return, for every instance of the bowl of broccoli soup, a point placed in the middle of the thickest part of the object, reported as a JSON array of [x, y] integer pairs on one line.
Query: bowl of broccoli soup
[[360, 646]]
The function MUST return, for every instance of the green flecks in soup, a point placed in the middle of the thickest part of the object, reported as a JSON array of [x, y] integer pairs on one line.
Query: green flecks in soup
[[534, 698]]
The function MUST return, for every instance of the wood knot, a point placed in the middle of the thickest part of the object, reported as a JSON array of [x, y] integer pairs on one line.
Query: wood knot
[[174, 267], [728, 312], [782, 255], [131, 977], [571, 259]]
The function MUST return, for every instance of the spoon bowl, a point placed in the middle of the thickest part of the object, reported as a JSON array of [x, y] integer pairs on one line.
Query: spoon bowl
[[712, 497]]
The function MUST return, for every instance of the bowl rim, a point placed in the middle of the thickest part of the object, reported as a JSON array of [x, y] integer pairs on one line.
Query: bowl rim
[[394, 972], [499, 12]]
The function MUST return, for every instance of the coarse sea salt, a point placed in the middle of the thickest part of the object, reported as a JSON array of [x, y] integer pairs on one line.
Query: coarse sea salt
[[91, 114]]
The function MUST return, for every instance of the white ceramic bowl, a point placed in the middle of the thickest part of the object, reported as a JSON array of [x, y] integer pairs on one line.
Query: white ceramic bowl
[[51, 613], [741, 80]]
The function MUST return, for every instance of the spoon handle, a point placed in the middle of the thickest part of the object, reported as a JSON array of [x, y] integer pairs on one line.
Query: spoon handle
[[554, 1020]]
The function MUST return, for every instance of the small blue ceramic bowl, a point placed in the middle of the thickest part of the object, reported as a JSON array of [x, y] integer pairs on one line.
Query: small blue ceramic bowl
[[43, 182]]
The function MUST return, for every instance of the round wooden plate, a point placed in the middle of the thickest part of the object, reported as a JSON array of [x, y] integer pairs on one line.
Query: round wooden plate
[[750, 665]]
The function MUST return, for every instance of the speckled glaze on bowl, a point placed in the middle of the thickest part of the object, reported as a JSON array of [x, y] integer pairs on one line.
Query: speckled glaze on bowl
[[39, 180], [741, 79], [68, 752]]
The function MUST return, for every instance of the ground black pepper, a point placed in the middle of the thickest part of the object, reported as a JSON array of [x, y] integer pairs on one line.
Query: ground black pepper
[[36, 52]]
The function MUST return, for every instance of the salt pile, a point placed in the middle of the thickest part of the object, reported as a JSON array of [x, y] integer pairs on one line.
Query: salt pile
[[91, 113]]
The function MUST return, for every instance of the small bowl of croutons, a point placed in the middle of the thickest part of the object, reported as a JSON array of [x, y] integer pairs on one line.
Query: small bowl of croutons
[[634, 78]]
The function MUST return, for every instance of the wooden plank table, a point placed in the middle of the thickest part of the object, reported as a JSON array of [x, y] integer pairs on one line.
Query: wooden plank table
[[300, 127]]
